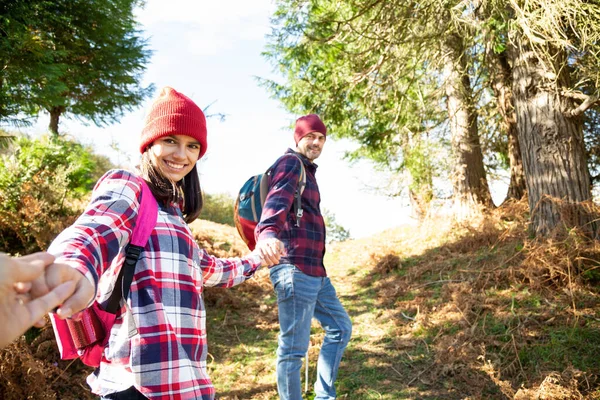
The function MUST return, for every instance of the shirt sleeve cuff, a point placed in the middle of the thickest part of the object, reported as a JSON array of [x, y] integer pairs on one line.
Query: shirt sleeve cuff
[[267, 234], [255, 259]]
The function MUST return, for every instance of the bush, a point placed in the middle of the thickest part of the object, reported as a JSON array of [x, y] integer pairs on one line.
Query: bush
[[41, 182], [218, 208]]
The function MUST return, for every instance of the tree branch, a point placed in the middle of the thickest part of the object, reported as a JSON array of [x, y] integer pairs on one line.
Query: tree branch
[[575, 95], [588, 101]]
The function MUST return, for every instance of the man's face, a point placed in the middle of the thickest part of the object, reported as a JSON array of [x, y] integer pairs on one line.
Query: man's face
[[311, 145]]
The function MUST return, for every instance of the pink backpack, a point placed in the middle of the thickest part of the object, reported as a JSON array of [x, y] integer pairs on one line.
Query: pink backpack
[[87, 337]]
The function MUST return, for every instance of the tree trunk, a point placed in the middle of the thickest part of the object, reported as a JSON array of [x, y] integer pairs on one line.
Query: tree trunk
[[502, 87], [471, 191], [418, 165], [556, 174], [55, 113], [420, 203], [517, 186]]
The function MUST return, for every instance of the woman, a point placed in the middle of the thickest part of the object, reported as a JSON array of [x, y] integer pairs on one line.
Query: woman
[[157, 348]]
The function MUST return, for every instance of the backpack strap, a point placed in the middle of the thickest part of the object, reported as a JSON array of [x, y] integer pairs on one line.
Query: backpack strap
[[298, 211], [144, 225], [297, 204]]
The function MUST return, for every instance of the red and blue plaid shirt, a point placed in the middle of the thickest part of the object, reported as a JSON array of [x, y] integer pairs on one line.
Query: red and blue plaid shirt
[[305, 245], [158, 343]]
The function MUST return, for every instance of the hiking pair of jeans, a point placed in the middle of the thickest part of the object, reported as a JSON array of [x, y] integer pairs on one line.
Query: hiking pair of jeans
[[301, 297]]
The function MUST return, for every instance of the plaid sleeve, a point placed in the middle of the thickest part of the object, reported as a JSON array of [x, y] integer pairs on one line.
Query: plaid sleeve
[[284, 181], [227, 272], [94, 240]]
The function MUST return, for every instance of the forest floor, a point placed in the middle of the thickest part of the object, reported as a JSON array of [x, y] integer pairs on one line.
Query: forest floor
[[439, 311]]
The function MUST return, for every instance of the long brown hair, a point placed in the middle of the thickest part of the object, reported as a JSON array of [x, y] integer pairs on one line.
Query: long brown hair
[[166, 192]]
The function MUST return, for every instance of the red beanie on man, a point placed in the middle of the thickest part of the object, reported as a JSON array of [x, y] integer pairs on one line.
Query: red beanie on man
[[307, 124], [173, 113]]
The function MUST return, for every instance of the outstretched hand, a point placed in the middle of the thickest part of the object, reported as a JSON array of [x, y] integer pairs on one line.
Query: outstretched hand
[[270, 250], [56, 275], [19, 310]]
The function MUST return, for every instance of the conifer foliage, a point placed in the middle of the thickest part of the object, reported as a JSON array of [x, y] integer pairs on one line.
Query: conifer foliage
[[479, 83], [83, 58]]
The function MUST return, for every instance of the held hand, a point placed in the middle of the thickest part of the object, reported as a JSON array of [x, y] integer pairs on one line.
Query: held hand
[[19, 310], [57, 274], [270, 250]]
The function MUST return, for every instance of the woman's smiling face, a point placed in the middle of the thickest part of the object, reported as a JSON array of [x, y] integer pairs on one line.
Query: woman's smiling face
[[175, 156]]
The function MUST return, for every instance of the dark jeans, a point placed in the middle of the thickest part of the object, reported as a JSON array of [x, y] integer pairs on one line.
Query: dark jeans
[[130, 394]]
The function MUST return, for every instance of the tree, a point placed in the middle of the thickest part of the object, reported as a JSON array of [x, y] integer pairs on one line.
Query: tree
[[366, 64], [373, 69], [469, 177], [105, 56], [84, 58], [5, 140], [352, 83], [591, 131], [27, 59], [554, 49], [500, 71], [334, 231]]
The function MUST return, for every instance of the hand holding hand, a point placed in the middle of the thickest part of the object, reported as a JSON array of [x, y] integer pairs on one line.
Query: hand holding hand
[[57, 274], [270, 250], [19, 309]]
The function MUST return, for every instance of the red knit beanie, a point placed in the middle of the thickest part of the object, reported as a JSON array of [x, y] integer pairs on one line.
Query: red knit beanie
[[173, 113], [307, 124]]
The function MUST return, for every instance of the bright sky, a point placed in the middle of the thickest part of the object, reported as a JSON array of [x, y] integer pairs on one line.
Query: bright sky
[[211, 51]]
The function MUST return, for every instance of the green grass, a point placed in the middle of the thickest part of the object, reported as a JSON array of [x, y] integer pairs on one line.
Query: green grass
[[418, 334], [496, 328], [577, 346]]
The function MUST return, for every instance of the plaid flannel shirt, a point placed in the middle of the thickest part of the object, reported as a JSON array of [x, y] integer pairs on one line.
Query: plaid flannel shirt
[[305, 245], [158, 343]]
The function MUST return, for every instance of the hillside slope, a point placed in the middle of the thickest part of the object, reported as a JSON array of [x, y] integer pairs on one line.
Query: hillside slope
[[439, 312]]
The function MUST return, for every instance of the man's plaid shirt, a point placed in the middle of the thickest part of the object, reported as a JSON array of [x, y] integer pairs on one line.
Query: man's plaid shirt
[[159, 346], [305, 245]]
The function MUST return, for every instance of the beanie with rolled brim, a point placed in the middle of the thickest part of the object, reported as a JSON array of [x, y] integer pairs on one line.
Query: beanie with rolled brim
[[173, 113], [308, 124]]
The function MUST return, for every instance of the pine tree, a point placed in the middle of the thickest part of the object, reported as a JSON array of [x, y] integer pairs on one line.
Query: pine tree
[[83, 58]]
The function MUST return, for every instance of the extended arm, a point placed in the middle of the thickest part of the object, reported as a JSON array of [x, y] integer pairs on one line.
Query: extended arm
[[89, 246]]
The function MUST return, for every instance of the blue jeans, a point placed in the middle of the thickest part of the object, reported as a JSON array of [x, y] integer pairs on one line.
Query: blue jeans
[[301, 297]]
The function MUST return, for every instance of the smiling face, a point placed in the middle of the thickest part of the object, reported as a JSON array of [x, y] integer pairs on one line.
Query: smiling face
[[175, 156], [311, 145]]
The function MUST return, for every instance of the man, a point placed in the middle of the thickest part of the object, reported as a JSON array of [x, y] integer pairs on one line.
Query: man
[[300, 280], [30, 287]]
